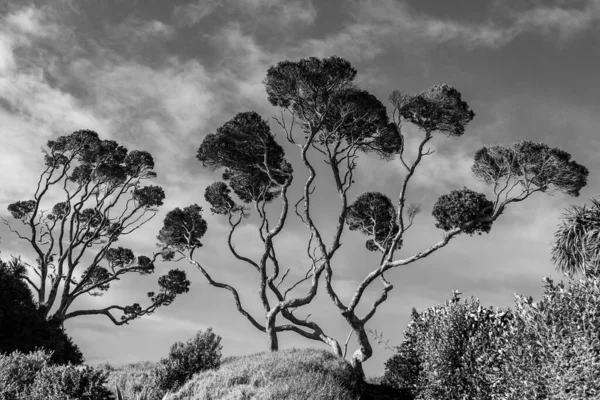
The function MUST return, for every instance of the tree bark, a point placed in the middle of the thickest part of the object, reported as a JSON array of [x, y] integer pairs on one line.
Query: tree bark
[[272, 335], [363, 353]]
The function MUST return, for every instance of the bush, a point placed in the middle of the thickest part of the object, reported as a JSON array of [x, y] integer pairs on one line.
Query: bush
[[536, 351], [556, 343], [33, 377], [199, 354], [443, 355], [22, 327]]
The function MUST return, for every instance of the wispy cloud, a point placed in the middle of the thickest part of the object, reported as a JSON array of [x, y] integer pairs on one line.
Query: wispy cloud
[[381, 24], [280, 13], [194, 12]]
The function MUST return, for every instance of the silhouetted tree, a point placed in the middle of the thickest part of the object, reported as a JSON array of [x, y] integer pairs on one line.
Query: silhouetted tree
[[74, 241], [22, 326], [338, 122]]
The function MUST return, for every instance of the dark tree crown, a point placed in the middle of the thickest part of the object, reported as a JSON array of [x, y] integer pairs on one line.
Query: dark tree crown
[[463, 209], [217, 195], [254, 161], [359, 119], [544, 166], [373, 214], [439, 108], [183, 229], [301, 85]]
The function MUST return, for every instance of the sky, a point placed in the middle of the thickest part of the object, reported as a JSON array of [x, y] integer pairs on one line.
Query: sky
[[158, 76]]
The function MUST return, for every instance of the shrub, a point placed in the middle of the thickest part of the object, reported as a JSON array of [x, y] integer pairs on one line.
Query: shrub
[[556, 342], [33, 377], [536, 351], [200, 353], [443, 355], [18, 371]]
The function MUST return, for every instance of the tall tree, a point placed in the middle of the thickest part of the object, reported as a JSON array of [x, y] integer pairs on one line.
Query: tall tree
[[100, 184], [576, 247], [339, 122]]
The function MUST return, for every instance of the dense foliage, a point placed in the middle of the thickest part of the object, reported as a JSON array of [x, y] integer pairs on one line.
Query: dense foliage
[[576, 248], [464, 209], [373, 214], [254, 162], [33, 377], [461, 350], [201, 353], [23, 327]]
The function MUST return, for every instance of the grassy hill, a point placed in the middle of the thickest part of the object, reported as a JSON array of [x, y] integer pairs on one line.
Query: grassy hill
[[295, 374]]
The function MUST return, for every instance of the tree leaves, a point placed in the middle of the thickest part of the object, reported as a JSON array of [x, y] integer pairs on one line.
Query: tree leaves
[[183, 229], [119, 257], [439, 108], [149, 196], [22, 209], [254, 161], [576, 246], [306, 85], [373, 214], [463, 209], [359, 119], [217, 195], [530, 163]]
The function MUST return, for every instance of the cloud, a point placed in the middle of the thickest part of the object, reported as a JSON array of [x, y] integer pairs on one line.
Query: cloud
[[136, 31], [567, 22], [283, 14], [27, 21], [192, 13], [377, 25]]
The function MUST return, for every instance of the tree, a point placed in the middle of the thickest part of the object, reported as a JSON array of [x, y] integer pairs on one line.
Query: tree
[[339, 121], [103, 200], [22, 327], [576, 248]]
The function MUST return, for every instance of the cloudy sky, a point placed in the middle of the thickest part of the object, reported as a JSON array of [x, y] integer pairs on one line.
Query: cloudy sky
[[158, 76]]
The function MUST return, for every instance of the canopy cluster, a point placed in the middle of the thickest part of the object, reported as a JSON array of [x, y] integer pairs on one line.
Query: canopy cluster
[[440, 108], [529, 163], [254, 162], [373, 214]]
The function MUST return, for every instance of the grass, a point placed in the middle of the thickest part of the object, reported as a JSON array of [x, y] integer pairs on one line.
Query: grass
[[134, 379], [295, 374], [287, 374]]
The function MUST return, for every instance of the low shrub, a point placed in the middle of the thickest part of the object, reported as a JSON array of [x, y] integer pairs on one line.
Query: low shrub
[[33, 377], [201, 353]]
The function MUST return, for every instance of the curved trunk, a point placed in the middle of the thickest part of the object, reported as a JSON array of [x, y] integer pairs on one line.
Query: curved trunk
[[364, 351], [362, 354], [272, 335]]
